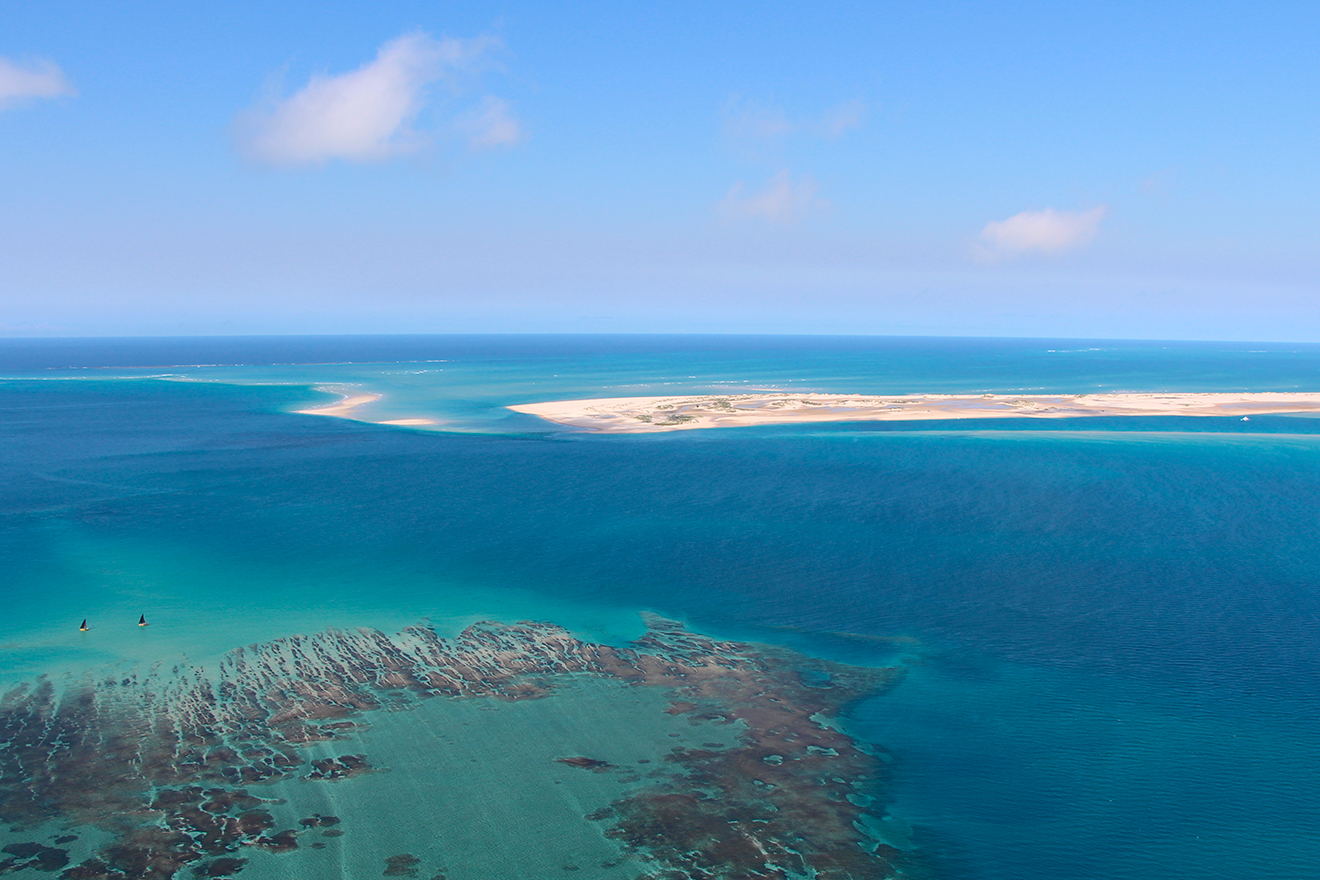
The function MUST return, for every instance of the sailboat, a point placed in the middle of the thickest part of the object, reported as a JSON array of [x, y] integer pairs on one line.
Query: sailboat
[[142, 621], [83, 628]]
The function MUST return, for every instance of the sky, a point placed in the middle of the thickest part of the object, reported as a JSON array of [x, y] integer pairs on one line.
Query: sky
[[1088, 170]]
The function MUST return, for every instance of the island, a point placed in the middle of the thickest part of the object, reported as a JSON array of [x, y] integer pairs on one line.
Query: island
[[635, 415]]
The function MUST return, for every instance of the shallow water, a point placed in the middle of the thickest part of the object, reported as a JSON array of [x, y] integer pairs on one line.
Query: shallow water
[[1110, 625], [484, 774]]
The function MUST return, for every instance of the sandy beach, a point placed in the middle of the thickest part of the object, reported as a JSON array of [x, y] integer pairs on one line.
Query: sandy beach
[[636, 415]]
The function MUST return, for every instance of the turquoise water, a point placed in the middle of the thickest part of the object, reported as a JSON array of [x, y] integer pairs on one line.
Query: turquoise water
[[1111, 626], [485, 776]]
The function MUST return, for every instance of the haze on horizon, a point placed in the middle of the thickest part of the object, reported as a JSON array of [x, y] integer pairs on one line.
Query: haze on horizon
[[1111, 170]]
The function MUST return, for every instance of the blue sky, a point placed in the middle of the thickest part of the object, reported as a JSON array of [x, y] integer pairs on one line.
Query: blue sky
[[1008, 169]]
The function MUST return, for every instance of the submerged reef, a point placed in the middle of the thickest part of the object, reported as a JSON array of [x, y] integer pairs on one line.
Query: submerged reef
[[170, 768]]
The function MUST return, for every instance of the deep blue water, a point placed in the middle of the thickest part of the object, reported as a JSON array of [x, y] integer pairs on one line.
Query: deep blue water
[[1113, 624]]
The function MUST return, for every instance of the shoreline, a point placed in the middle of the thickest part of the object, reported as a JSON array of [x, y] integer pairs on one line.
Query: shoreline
[[638, 415]]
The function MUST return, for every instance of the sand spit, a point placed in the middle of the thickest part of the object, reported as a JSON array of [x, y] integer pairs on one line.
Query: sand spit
[[347, 409], [635, 415], [343, 409]]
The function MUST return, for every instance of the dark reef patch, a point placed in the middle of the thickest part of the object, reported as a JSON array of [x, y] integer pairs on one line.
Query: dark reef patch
[[167, 764], [318, 821], [339, 768], [403, 865], [223, 867], [33, 855], [586, 763]]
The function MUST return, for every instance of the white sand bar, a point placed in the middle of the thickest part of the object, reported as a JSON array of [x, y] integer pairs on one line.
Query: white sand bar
[[343, 408], [348, 409], [633, 415]]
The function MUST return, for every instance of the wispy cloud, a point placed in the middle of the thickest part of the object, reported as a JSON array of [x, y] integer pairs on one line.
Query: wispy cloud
[[754, 120], [780, 201], [491, 125], [1039, 232], [35, 79], [763, 134], [839, 120], [364, 115]]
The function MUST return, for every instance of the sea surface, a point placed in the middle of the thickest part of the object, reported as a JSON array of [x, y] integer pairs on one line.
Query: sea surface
[[1110, 628]]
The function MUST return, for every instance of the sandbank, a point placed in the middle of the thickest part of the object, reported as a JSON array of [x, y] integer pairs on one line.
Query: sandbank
[[347, 409], [343, 409], [637, 415]]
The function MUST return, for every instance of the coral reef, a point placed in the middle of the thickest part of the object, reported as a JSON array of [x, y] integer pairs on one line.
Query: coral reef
[[171, 763]]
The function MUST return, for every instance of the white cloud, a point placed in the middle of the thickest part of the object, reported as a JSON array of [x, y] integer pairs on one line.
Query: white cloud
[[37, 79], [491, 125], [1043, 232], [364, 115], [781, 201]]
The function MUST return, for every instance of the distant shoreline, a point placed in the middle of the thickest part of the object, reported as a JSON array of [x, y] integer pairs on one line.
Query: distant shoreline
[[638, 415]]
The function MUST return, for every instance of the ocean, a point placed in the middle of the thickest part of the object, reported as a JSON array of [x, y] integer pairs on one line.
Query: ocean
[[1100, 637]]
